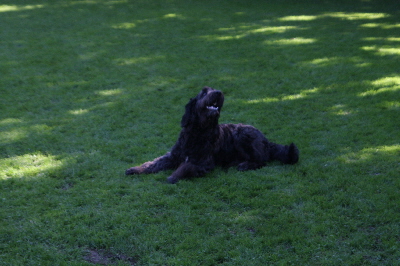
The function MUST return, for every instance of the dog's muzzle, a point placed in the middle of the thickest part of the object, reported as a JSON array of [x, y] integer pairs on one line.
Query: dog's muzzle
[[215, 106]]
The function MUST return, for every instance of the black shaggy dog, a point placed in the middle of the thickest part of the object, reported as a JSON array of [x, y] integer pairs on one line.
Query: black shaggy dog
[[203, 143]]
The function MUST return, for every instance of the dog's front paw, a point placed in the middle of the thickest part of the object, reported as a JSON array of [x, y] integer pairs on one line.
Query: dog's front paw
[[293, 154], [133, 171], [172, 179], [243, 166]]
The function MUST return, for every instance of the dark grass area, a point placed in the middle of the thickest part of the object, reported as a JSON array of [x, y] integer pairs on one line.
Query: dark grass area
[[90, 88]]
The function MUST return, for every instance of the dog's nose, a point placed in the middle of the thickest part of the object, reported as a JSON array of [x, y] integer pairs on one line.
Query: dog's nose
[[218, 92]]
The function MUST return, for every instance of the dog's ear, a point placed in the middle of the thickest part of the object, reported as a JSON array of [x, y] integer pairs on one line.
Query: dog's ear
[[189, 112]]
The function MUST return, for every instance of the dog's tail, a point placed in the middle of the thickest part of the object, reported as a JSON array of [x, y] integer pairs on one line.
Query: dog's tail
[[288, 154]]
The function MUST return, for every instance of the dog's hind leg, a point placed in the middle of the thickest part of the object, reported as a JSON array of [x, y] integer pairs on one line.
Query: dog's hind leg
[[252, 156], [288, 154], [159, 164]]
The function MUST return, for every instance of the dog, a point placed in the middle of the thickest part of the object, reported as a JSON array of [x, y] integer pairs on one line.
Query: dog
[[204, 144]]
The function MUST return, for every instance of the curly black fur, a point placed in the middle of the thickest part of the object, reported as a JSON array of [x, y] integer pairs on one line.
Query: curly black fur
[[203, 143]]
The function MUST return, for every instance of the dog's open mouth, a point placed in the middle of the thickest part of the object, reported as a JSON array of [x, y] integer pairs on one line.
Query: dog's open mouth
[[213, 107], [212, 101]]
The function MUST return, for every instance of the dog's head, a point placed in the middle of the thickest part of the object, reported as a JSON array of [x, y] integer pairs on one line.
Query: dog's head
[[204, 109]]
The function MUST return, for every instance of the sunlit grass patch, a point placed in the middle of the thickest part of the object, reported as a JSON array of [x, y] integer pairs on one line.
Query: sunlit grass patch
[[112, 92], [138, 60], [303, 94], [247, 30], [173, 15], [341, 109], [390, 105], [340, 15], [292, 41], [375, 153], [79, 111], [125, 25], [278, 29], [28, 165], [331, 61], [8, 8], [298, 18], [389, 39], [356, 15], [380, 25], [12, 135], [386, 84], [382, 50], [11, 130]]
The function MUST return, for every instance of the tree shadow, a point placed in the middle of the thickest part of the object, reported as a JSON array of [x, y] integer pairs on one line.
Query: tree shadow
[[89, 88], [86, 78]]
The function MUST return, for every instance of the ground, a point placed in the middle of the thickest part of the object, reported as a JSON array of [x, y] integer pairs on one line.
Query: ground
[[90, 88]]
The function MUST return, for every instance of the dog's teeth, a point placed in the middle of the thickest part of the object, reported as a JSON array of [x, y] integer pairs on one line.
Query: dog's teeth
[[212, 108]]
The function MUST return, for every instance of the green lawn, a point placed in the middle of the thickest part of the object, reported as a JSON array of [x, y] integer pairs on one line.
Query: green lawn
[[91, 88]]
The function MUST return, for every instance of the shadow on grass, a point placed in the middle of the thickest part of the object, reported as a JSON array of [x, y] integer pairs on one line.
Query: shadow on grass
[[109, 83]]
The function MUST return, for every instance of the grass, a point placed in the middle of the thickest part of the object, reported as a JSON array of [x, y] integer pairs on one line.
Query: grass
[[90, 88]]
